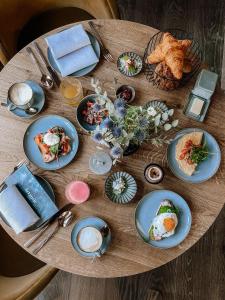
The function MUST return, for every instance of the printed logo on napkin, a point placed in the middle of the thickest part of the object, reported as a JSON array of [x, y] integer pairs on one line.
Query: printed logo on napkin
[[33, 192]]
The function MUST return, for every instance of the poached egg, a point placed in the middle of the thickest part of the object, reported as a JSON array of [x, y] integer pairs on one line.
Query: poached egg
[[51, 139]]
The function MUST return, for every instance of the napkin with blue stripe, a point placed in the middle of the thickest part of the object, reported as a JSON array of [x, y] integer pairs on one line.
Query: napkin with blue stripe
[[72, 50]]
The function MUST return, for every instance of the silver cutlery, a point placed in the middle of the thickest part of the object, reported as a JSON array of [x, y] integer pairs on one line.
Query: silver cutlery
[[63, 221], [105, 52], [46, 80], [47, 224], [49, 68]]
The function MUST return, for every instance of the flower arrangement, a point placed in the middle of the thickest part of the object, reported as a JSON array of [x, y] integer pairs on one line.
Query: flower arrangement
[[130, 124]]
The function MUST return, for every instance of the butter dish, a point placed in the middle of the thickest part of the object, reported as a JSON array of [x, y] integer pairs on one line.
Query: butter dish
[[200, 97]]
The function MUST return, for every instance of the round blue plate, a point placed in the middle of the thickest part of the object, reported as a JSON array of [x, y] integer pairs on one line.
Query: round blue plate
[[90, 221], [82, 72], [42, 125], [146, 211], [80, 119], [39, 100], [205, 169], [49, 190]]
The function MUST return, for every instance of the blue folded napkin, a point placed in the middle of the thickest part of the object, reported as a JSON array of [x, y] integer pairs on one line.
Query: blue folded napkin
[[33, 192], [15, 209], [72, 50]]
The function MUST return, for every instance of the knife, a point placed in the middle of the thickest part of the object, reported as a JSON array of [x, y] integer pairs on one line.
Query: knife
[[47, 223], [49, 68]]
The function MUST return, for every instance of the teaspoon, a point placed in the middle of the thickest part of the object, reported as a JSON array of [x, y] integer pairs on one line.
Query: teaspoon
[[63, 221], [46, 80]]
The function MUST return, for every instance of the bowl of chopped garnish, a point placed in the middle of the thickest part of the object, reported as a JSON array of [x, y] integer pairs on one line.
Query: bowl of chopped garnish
[[90, 113], [120, 187]]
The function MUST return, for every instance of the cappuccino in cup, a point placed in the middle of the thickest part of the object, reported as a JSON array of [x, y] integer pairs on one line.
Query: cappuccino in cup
[[89, 239], [20, 95]]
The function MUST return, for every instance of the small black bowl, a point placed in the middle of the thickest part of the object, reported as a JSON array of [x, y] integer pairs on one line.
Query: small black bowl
[[158, 170], [124, 87]]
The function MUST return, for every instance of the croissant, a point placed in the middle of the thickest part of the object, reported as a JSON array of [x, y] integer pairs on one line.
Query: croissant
[[172, 51]]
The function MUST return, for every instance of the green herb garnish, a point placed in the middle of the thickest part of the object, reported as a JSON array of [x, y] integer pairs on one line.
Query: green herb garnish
[[54, 149], [168, 209], [198, 154]]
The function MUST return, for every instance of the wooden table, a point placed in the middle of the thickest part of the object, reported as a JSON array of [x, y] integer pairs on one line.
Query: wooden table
[[127, 254]]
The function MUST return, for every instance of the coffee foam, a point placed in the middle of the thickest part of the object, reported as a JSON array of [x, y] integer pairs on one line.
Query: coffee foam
[[89, 239], [20, 93]]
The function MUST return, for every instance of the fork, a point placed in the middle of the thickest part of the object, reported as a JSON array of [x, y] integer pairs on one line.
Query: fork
[[105, 52]]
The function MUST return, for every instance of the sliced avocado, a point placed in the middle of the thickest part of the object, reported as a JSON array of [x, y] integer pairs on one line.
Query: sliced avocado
[[167, 209], [151, 234]]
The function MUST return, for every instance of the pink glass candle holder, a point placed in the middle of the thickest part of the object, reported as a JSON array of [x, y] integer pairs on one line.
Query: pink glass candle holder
[[77, 192]]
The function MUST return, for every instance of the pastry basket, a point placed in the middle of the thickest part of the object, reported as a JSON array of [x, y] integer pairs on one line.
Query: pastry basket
[[194, 55]]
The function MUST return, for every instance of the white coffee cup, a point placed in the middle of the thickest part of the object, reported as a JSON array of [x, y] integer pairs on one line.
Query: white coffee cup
[[20, 95], [89, 239]]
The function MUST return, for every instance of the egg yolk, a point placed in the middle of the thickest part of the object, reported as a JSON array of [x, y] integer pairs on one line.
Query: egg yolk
[[169, 224]]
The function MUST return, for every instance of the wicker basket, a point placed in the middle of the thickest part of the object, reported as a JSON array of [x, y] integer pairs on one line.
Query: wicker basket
[[194, 55]]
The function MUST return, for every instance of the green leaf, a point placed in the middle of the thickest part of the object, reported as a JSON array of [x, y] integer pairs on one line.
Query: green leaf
[[54, 149], [198, 154]]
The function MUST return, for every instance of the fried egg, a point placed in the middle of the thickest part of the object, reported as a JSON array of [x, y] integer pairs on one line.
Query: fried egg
[[164, 225]]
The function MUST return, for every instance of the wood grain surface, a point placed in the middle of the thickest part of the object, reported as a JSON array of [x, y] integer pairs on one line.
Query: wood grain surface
[[127, 254]]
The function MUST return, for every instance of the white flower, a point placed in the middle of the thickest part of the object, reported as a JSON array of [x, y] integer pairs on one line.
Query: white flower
[[167, 126], [165, 116], [175, 123], [98, 90], [170, 112], [157, 120], [110, 107], [151, 111]]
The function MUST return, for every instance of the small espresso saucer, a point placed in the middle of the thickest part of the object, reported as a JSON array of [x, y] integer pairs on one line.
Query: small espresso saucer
[[39, 100], [93, 222]]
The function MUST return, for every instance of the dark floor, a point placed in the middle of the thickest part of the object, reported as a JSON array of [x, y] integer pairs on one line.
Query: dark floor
[[199, 274]]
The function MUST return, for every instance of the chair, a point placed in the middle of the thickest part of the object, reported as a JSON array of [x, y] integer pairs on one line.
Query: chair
[[15, 14], [22, 276]]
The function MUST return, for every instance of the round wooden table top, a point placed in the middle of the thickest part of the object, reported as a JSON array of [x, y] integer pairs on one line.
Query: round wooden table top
[[127, 253]]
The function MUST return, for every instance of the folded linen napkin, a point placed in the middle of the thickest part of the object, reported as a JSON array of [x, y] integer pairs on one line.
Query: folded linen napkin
[[77, 60], [72, 50], [15, 209], [67, 41]]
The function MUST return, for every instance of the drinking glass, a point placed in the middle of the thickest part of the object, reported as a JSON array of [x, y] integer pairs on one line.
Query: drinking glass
[[71, 89]]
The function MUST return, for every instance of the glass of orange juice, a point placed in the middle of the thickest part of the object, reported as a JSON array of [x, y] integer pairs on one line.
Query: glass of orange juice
[[72, 91]]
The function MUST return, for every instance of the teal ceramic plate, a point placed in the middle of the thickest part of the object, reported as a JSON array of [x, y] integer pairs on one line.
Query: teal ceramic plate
[[39, 100], [147, 209], [49, 190], [94, 222], [130, 188], [133, 56], [82, 106], [42, 125], [157, 104], [205, 169], [82, 72]]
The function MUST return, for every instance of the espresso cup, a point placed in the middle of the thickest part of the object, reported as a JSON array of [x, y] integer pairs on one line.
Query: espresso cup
[[89, 239], [20, 95]]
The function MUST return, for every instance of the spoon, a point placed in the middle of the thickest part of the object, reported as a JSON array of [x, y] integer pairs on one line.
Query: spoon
[[104, 232], [31, 110], [63, 221], [46, 80]]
